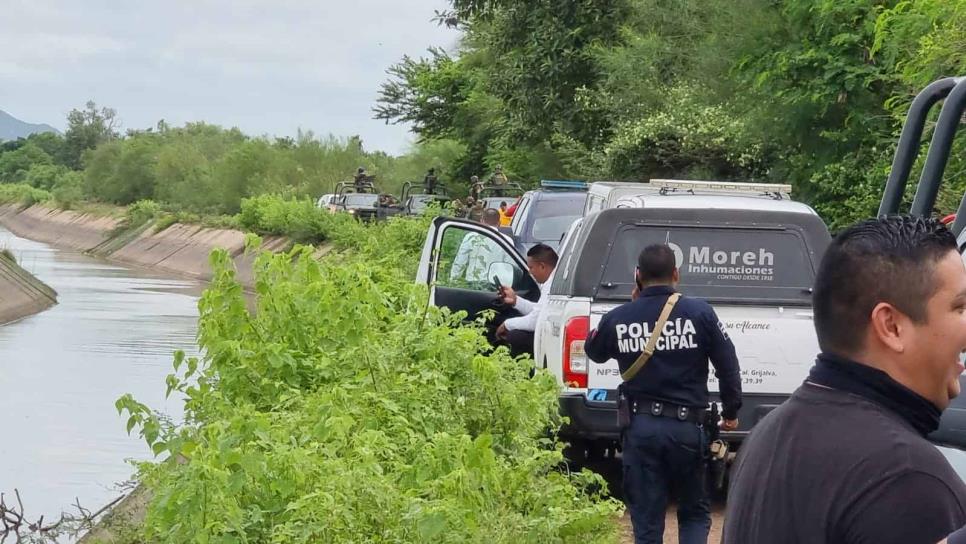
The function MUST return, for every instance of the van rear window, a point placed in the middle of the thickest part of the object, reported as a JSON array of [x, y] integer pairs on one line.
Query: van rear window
[[722, 263]]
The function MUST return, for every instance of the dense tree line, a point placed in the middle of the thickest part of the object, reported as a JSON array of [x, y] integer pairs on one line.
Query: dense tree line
[[199, 168], [807, 92]]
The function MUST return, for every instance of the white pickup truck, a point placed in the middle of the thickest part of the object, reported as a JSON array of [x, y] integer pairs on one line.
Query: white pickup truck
[[752, 257]]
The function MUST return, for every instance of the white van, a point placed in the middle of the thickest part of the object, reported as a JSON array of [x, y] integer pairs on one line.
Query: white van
[[753, 257]]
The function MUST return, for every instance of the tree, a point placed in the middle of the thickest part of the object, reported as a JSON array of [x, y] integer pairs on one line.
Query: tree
[[14, 165], [52, 143], [86, 129]]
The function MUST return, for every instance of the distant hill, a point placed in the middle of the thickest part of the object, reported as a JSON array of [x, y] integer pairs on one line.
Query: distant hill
[[12, 128]]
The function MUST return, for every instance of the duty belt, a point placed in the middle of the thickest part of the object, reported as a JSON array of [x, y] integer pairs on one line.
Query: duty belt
[[672, 411]]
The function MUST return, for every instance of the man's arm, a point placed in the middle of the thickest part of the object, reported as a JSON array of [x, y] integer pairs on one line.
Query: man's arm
[[597, 346], [723, 357], [527, 322], [524, 306]]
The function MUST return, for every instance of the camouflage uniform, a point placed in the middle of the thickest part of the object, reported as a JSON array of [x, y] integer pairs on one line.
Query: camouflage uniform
[[476, 212], [429, 182], [360, 179], [498, 180]]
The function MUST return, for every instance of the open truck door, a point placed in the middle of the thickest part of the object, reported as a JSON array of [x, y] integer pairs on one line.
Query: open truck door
[[464, 261], [952, 92]]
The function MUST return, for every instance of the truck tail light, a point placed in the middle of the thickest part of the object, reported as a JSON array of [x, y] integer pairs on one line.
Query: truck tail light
[[574, 358]]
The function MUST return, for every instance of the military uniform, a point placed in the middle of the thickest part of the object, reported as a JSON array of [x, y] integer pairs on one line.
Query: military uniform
[[476, 212], [498, 180], [665, 445], [429, 182]]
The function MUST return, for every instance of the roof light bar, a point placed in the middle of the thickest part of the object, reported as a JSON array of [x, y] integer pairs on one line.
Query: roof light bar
[[735, 186]]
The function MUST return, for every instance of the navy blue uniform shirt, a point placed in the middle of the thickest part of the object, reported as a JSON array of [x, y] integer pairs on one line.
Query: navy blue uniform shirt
[[677, 372]]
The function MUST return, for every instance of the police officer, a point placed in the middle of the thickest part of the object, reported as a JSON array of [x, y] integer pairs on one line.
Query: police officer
[[664, 444]]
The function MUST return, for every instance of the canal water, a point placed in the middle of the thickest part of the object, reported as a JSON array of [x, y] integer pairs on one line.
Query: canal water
[[113, 332]]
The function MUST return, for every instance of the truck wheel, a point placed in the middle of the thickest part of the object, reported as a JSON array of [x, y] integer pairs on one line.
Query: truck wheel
[[577, 452]]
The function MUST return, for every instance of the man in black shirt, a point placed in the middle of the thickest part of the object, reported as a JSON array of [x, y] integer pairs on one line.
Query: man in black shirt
[[664, 447], [845, 459]]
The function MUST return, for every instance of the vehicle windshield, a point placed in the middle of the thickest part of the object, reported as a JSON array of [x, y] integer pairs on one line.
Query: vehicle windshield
[[740, 263], [495, 201], [421, 202], [553, 217], [363, 200]]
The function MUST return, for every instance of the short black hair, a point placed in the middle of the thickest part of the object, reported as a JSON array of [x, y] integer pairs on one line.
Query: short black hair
[[890, 259], [542, 253], [491, 215], [656, 262]]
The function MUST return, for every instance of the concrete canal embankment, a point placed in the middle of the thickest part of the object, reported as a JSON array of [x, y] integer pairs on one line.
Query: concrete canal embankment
[[179, 249], [21, 294]]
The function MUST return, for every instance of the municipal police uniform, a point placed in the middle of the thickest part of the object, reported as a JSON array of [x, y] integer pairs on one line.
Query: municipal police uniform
[[665, 445]]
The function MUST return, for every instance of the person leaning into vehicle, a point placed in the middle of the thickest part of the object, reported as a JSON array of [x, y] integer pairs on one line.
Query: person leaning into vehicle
[[504, 218], [845, 459], [517, 332], [477, 253], [664, 443]]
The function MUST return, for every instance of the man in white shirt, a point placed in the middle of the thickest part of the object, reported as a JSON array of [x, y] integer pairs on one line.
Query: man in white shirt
[[517, 332]]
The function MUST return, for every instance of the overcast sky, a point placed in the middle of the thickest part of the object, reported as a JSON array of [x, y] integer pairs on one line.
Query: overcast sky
[[265, 66]]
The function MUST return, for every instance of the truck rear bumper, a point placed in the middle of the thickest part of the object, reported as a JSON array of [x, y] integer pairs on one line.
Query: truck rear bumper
[[589, 420]]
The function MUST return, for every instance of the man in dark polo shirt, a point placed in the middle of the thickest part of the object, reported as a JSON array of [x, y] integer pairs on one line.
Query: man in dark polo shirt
[[845, 459]]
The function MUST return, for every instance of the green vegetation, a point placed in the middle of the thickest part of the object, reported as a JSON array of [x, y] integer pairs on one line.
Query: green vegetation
[[21, 194], [811, 93], [198, 170], [346, 409]]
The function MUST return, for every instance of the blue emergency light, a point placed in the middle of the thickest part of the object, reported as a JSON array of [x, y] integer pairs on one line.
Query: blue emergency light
[[568, 184]]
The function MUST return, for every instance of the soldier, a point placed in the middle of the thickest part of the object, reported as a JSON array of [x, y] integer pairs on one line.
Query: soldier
[[498, 180], [475, 187], [458, 209], [429, 182], [359, 180], [476, 212], [664, 397]]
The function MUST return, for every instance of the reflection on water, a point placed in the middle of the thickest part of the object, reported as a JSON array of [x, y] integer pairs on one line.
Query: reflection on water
[[113, 332]]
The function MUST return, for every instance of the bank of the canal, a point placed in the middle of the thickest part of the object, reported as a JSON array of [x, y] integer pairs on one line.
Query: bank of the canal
[[21, 294], [181, 249]]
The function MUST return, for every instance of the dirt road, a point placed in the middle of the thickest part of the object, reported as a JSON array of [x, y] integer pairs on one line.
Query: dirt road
[[610, 469], [671, 527]]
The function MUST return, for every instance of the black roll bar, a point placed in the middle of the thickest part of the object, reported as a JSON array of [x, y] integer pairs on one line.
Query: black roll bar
[[908, 149]]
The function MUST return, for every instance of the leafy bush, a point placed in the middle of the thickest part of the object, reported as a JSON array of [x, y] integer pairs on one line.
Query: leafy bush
[[300, 220], [14, 165], [140, 213], [18, 193], [69, 190], [345, 409]]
